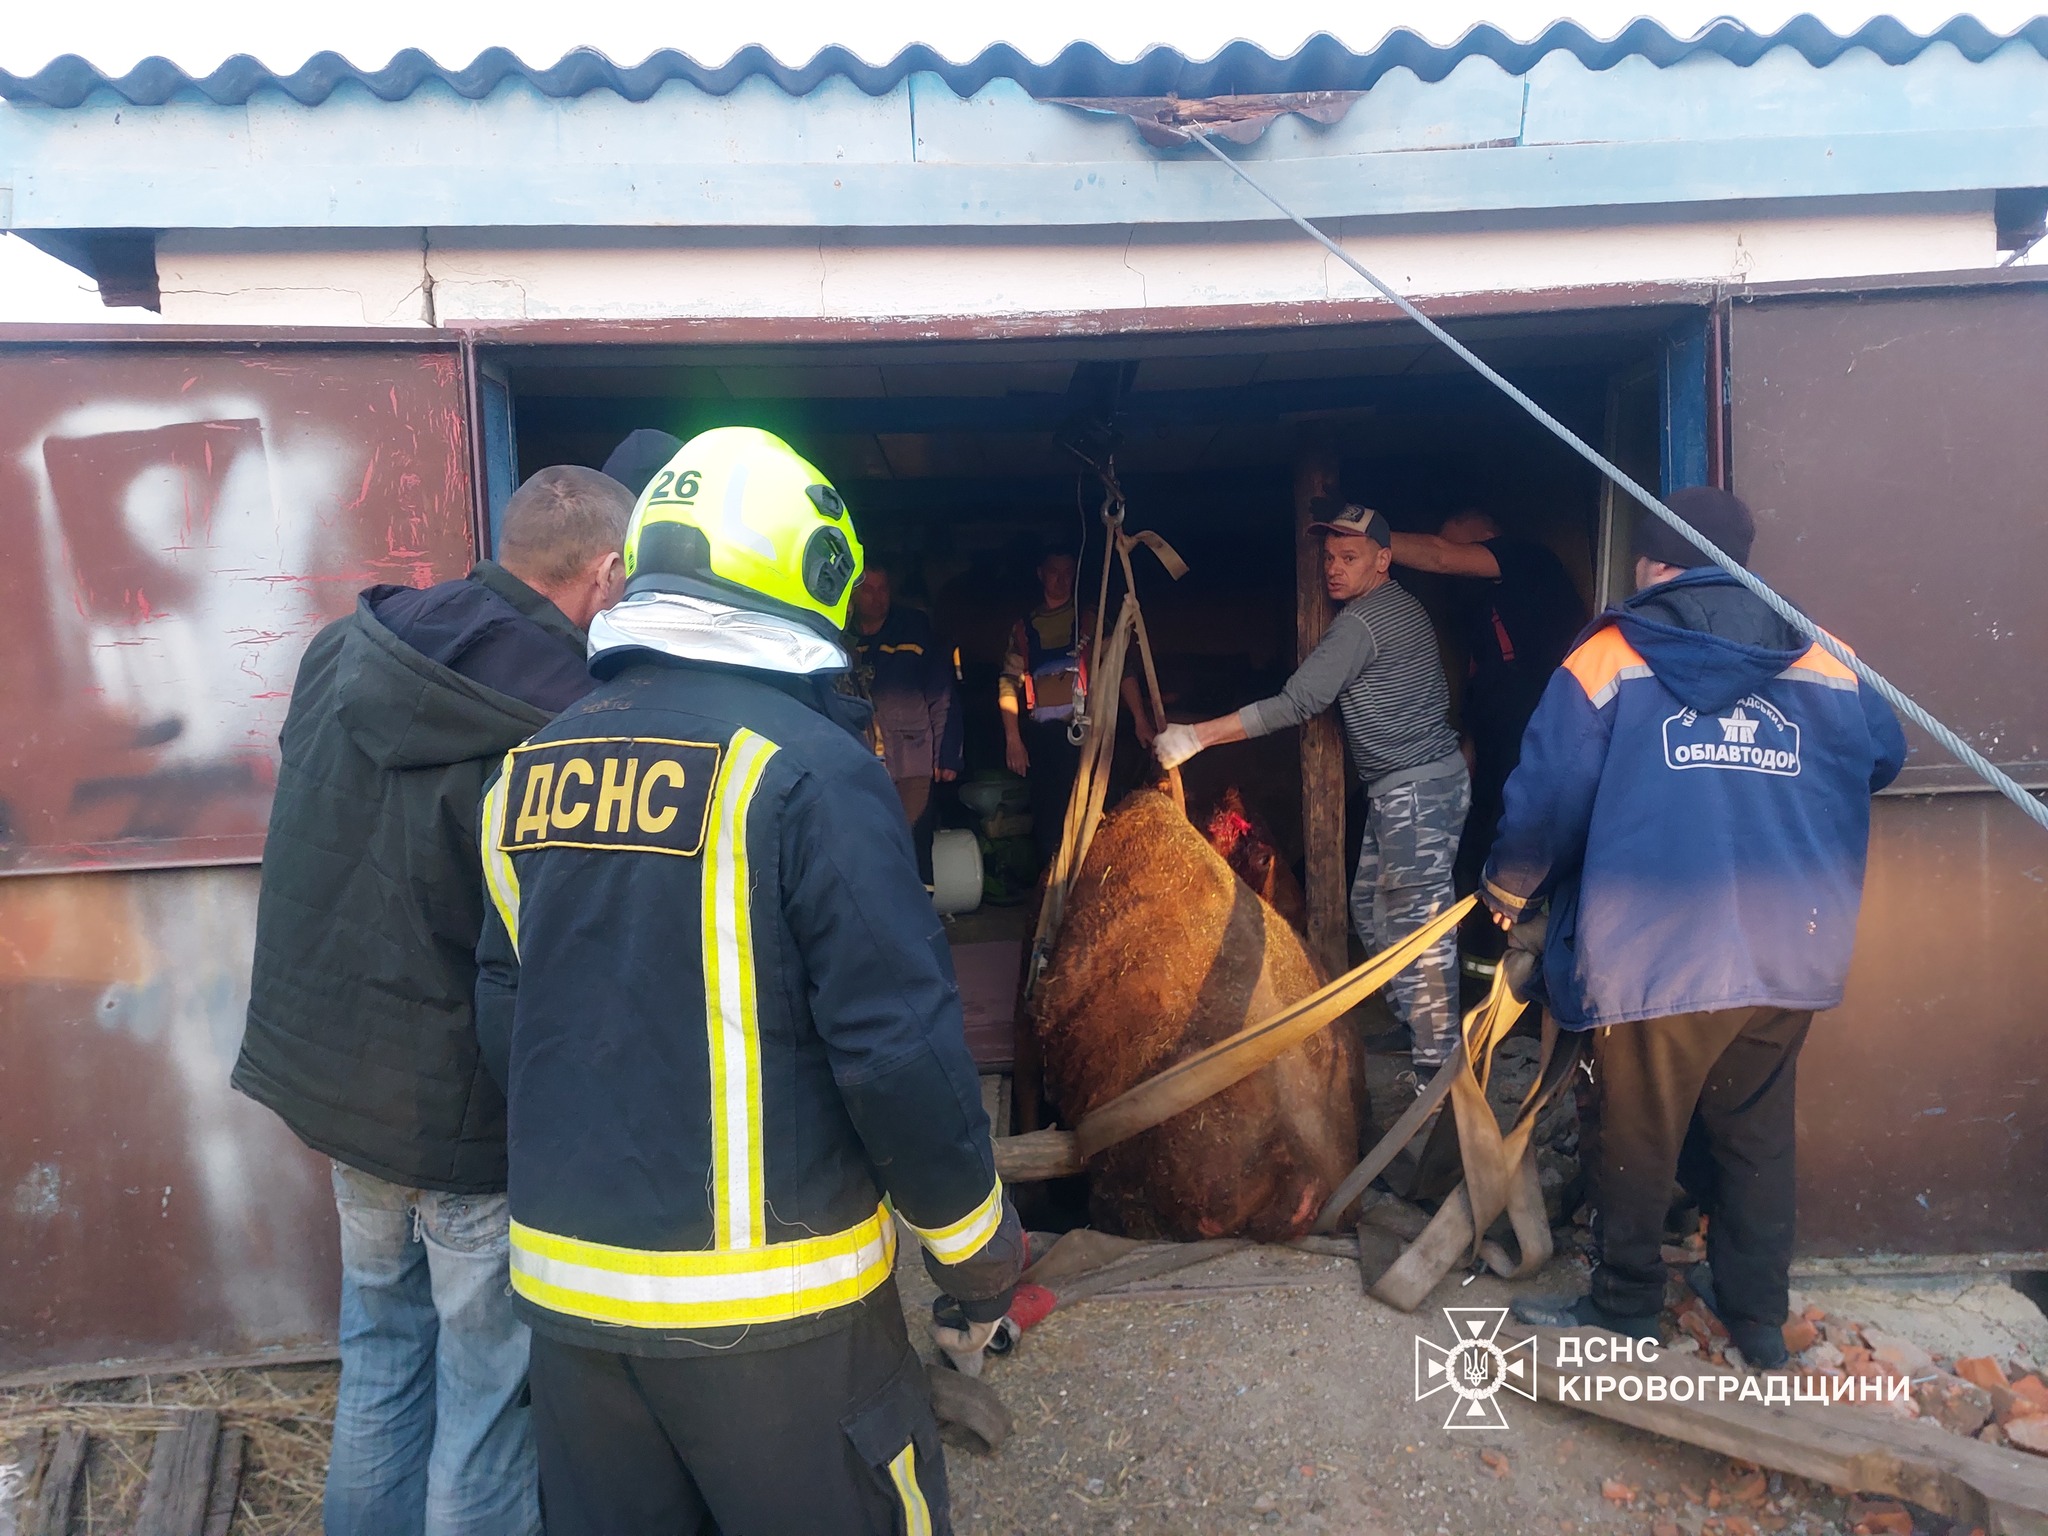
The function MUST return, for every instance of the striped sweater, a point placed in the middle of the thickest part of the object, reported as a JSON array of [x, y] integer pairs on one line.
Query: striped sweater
[[1378, 663]]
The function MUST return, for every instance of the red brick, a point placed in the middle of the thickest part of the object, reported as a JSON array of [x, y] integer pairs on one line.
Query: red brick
[[1903, 1356], [1983, 1371], [1960, 1407], [2030, 1389], [1749, 1489], [2029, 1434], [2007, 1405], [1800, 1335], [1879, 1517]]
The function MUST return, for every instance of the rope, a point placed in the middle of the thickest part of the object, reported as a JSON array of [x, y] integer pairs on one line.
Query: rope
[[1097, 717], [1969, 756]]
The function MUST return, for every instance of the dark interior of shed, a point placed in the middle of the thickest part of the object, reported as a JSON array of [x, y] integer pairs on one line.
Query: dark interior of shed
[[952, 459]]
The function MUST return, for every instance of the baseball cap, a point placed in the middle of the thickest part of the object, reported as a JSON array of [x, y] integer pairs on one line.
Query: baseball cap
[[1350, 518]]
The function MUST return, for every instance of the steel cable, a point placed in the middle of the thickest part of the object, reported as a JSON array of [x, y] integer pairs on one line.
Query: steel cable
[[2035, 810]]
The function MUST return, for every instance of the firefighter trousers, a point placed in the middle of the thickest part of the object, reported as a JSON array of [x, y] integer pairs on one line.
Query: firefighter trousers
[[1705, 1098], [833, 1436]]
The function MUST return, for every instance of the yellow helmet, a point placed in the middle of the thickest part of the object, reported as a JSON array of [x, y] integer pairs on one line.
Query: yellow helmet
[[738, 516]]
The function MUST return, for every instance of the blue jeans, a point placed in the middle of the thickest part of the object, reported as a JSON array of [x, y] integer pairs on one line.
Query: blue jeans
[[432, 1434]]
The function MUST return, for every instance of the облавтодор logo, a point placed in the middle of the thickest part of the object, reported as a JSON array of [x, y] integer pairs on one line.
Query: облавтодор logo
[[1475, 1368]]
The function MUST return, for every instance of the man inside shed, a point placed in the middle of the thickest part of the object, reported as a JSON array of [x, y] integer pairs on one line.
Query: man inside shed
[[1378, 665], [1517, 613], [909, 680], [1044, 683], [362, 1034], [1693, 808]]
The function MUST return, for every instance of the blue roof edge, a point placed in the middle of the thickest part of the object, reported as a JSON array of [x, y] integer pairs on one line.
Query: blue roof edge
[[1080, 69]]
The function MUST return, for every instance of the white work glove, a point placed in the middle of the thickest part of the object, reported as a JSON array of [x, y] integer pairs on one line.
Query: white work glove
[[967, 1347], [1175, 745]]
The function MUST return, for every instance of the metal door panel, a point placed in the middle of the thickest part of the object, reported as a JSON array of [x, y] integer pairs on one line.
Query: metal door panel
[[1923, 1110], [176, 520], [1891, 445], [175, 524], [147, 1211]]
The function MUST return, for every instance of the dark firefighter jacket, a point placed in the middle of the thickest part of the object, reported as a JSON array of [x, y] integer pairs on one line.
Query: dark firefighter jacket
[[725, 1016], [360, 1034]]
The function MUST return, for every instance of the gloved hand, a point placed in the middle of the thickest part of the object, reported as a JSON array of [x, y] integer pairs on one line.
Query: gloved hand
[[1175, 745], [1524, 960], [966, 1345]]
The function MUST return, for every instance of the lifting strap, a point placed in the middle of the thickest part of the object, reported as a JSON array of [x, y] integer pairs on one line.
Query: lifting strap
[[1500, 1170], [1098, 716]]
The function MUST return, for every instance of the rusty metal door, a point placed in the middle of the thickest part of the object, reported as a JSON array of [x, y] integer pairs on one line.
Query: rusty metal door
[[1892, 447], [177, 519]]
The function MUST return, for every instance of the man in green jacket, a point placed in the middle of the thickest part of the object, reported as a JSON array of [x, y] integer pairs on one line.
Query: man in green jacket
[[361, 1033]]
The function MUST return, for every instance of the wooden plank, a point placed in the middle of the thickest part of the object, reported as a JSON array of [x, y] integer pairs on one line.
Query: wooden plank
[[1036, 1155], [987, 976], [227, 1483], [174, 1501], [51, 1515], [21, 1459], [2003, 1491], [179, 1365], [1322, 749]]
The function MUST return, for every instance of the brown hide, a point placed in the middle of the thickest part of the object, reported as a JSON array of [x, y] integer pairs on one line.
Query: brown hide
[[1163, 952], [1248, 846]]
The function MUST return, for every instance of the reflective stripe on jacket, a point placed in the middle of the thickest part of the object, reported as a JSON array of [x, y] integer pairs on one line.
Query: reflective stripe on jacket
[[726, 1019]]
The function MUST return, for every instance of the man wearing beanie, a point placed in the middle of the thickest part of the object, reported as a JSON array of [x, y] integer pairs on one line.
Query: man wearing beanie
[[1693, 808]]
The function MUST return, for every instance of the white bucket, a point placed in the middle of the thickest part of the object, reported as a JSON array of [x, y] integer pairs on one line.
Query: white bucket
[[956, 872]]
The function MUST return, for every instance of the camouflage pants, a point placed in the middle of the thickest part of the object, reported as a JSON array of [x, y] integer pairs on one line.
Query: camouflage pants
[[1403, 880]]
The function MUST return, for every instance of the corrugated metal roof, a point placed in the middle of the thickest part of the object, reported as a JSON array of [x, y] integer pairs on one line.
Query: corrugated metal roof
[[1322, 64]]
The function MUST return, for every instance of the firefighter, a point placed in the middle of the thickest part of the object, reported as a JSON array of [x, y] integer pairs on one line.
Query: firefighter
[[731, 1043], [1044, 684]]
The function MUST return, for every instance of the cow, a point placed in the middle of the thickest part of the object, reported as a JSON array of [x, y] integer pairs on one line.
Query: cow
[[1162, 952], [1248, 846]]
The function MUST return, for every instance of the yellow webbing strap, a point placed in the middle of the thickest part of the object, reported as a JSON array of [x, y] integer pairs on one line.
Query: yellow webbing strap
[[1106, 661], [1187, 1083]]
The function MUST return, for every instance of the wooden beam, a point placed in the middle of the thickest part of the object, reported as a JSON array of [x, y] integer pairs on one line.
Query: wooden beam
[[226, 1492], [1322, 749], [59, 1491], [2003, 1492], [1034, 1155], [180, 1487]]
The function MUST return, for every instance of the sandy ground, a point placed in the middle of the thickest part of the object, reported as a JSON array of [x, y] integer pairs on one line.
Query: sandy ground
[[1284, 1402], [1291, 1407]]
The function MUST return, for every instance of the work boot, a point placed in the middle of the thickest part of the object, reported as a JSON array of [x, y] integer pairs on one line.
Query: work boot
[[1762, 1345], [1580, 1312]]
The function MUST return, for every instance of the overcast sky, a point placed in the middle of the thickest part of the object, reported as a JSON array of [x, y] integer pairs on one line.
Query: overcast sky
[[116, 34]]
